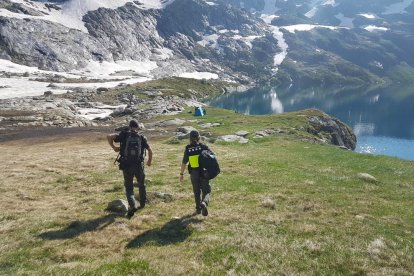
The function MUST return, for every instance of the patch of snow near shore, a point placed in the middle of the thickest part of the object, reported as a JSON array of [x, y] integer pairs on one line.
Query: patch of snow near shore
[[199, 75], [306, 27]]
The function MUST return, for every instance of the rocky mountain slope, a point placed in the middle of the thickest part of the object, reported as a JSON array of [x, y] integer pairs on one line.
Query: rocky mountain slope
[[302, 43]]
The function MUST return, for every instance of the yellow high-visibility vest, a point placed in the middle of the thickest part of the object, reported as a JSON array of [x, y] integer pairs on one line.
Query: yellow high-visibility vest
[[193, 155]]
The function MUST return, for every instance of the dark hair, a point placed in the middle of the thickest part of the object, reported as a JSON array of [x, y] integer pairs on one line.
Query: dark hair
[[133, 124], [194, 137]]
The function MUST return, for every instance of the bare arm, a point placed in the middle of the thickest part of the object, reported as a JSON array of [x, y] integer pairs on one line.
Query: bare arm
[[111, 138], [149, 162], [182, 172]]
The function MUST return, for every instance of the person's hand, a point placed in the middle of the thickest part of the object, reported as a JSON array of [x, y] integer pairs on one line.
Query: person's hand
[[149, 162], [116, 149], [181, 178]]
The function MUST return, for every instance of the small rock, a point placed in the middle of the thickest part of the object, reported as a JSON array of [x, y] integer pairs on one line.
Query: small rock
[[268, 203], [367, 177], [376, 246], [102, 89], [242, 133], [117, 206], [207, 125], [359, 217], [185, 129], [48, 93], [166, 197], [175, 122]]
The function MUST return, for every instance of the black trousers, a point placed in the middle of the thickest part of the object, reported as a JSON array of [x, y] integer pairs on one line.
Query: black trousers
[[137, 171], [201, 188]]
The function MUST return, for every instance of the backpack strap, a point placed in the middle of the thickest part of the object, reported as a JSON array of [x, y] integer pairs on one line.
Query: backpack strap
[[127, 144]]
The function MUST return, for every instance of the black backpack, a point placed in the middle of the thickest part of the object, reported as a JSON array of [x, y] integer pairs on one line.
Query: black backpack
[[208, 164], [131, 151]]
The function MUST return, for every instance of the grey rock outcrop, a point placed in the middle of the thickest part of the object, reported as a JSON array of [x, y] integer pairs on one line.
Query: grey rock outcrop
[[47, 45], [134, 35], [337, 132]]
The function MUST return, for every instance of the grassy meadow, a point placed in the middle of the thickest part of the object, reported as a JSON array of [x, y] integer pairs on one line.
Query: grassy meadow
[[281, 206]]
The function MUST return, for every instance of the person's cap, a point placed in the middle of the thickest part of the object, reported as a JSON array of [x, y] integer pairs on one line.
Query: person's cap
[[133, 123], [194, 134]]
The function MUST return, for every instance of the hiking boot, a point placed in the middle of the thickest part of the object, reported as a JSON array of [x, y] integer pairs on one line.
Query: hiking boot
[[204, 210], [197, 212], [131, 212]]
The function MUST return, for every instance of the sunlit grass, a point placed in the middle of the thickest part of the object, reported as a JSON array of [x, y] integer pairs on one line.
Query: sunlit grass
[[280, 206]]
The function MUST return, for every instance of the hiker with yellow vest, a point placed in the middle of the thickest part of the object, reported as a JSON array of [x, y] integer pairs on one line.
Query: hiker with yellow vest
[[201, 185]]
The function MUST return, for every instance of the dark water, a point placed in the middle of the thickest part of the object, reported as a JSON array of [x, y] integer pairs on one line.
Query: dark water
[[382, 118]]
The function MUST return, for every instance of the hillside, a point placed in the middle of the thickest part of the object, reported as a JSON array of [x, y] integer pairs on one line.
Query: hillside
[[281, 206]]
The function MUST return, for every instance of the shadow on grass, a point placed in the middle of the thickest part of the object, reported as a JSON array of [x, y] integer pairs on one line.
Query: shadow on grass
[[174, 231], [77, 228]]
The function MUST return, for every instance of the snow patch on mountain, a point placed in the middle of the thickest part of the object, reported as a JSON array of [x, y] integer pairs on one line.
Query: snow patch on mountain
[[281, 42], [22, 87], [280, 57], [209, 41], [267, 18], [372, 28], [367, 15], [18, 86], [10, 67], [306, 27], [70, 13], [199, 75], [246, 39], [105, 69]]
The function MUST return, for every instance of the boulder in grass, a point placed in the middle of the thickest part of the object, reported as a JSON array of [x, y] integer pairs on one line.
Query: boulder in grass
[[367, 177], [117, 206], [233, 138]]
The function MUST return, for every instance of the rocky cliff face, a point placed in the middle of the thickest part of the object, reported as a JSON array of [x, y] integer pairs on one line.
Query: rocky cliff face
[[47, 45], [127, 32], [209, 36]]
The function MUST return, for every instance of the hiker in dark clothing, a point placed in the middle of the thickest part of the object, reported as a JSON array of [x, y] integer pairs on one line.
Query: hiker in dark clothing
[[201, 186], [131, 162]]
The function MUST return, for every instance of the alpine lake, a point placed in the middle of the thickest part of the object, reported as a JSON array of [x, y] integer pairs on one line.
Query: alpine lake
[[382, 118]]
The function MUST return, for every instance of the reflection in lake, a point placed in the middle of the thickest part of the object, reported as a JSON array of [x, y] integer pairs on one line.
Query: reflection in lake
[[384, 113]]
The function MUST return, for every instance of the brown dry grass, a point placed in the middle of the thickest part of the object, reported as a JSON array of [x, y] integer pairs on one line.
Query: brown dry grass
[[54, 191]]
